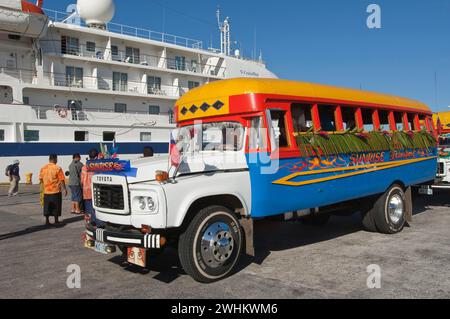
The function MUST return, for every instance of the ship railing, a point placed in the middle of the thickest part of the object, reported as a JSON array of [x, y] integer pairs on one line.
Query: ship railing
[[107, 54], [119, 85], [57, 16], [90, 114], [12, 74]]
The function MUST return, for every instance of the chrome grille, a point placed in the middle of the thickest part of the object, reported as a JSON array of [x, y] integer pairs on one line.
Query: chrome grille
[[109, 196]]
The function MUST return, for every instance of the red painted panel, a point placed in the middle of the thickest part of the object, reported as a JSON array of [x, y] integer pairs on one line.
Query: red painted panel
[[338, 118], [376, 120]]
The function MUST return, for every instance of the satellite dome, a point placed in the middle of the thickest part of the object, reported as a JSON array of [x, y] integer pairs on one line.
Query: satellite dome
[[96, 11]]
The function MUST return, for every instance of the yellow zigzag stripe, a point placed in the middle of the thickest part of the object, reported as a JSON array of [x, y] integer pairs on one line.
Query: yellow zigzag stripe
[[369, 168]]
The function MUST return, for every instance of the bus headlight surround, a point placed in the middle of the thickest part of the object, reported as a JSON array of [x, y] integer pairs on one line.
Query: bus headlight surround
[[145, 204]]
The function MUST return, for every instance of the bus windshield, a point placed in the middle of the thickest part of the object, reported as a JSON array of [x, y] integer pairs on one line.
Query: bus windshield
[[218, 136]]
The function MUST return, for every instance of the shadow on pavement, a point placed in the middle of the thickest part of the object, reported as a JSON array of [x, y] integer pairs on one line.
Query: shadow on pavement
[[166, 265], [269, 236], [34, 229], [422, 203]]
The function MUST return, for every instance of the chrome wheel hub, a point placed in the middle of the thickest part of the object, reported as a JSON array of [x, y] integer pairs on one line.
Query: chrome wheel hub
[[395, 208], [217, 244]]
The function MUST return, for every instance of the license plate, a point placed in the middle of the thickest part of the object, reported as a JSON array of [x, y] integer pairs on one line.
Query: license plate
[[101, 247], [137, 256]]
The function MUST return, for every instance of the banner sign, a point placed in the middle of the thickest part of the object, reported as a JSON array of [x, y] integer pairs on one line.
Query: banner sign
[[108, 165]]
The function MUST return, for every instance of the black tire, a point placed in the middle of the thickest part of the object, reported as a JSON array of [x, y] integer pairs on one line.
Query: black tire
[[367, 215], [203, 263], [384, 221]]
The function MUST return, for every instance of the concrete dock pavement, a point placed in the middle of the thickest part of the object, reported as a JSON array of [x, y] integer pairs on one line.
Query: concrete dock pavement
[[293, 260]]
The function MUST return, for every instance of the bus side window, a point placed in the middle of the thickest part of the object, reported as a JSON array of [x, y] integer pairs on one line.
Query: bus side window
[[279, 127], [301, 117], [422, 121], [327, 120], [257, 140], [348, 118], [399, 121], [410, 117], [367, 115], [384, 120]]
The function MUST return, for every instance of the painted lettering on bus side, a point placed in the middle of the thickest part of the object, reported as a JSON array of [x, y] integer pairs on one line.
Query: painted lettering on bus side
[[367, 158]]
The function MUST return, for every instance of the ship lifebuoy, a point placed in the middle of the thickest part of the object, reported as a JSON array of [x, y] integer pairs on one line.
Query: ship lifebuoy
[[62, 112]]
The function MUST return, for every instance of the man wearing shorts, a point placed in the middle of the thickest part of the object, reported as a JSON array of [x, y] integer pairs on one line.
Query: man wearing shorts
[[53, 181]]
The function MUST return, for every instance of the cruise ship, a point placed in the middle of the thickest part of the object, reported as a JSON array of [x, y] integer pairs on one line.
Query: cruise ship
[[72, 80]]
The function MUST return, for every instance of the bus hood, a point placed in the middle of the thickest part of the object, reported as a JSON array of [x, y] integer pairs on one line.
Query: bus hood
[[144, 169]]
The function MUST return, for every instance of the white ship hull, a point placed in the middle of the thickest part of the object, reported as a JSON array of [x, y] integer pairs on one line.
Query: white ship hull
[[77, 86]]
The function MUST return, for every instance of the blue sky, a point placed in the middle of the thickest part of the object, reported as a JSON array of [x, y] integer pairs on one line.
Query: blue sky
[[325, 41]]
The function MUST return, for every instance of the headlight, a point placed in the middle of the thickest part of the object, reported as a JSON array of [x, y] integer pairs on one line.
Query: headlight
[[145, 204]]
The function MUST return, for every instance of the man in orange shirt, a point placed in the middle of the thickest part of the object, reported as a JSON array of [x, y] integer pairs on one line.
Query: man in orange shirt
[[53, 180]]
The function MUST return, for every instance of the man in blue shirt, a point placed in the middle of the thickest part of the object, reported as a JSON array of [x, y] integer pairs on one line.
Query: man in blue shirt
[[14, 178]]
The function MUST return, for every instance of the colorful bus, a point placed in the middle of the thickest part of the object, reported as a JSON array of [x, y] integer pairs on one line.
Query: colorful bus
[[248, 149]]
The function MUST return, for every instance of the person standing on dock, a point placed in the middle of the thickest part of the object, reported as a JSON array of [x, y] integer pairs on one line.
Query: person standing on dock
[[13, 172], [75, 183], [86, 183], [53, 180]]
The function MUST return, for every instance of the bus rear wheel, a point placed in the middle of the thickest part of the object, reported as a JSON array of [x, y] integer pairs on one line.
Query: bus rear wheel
[[210, 247], [388, 213]]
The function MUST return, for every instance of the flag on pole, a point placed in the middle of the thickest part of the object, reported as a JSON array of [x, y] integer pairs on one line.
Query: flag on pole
[[174, 152]]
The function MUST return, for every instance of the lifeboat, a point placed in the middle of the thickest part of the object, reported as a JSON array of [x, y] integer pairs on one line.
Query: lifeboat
[[23, 18]]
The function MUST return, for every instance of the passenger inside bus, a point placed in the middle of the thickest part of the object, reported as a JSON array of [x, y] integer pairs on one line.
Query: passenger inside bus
[[327, 121], [301, 117], [279, 127]]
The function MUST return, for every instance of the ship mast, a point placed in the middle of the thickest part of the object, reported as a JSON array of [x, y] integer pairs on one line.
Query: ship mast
[[225, 34]]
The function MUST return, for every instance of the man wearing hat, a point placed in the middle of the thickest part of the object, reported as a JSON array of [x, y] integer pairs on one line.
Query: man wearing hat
[[14, 178]]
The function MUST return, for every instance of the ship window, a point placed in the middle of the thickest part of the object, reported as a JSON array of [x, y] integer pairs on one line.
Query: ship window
[[193, 85], [180, 63], [120, 81], [384, 120], [70, 45], [146, 136], [327, 121], [31, 135], [279, 127], [2, 135], [74, 77], [154, 109], [153, 84], [120, 108], [301, 117], [90, 46], [133, 55], [81, 136], [109, 136], [26, 100], [115, 53], [14, 37]]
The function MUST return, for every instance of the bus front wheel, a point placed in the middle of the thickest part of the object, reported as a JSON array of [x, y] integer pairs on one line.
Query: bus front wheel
[[210, 247], [387, 215]]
